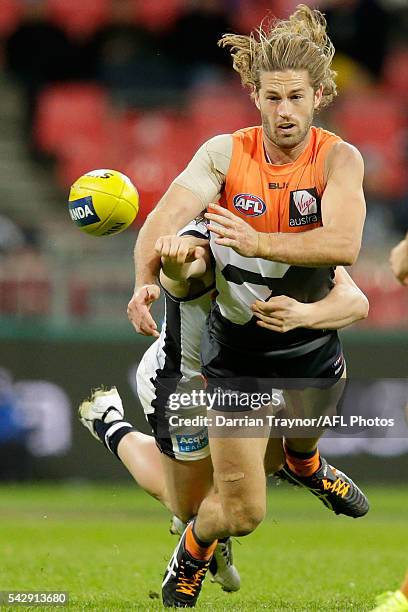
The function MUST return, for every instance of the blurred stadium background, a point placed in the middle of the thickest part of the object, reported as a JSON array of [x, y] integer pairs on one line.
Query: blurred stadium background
[[138, 86]]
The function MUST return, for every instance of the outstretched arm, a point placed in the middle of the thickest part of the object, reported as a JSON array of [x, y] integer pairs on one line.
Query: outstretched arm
[[176, 208], [189, 194], [336, 243], [344, 305]]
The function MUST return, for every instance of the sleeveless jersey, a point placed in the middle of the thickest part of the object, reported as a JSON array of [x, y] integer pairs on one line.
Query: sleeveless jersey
[[272, 198]]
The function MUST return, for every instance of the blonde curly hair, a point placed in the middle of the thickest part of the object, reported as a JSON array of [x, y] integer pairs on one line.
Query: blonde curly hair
[[297, 43]]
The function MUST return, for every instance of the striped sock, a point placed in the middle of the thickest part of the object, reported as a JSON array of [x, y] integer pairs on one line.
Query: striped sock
[[196, 547], [112, 433]]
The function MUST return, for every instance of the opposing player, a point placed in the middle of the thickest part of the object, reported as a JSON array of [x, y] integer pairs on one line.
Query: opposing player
[[292, 207]]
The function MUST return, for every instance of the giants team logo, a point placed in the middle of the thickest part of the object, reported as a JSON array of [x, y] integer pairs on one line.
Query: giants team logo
[[304, 207], [249, 205]]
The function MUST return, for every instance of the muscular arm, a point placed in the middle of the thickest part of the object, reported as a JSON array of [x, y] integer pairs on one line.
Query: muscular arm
[[344, 305], [336, 243], [199, 184], [175, 209]]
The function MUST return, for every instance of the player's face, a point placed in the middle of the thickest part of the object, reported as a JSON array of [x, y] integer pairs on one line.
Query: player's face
[[287, 103]]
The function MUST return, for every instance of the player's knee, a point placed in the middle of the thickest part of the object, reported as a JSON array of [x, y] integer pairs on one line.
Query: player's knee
[[243, 519]]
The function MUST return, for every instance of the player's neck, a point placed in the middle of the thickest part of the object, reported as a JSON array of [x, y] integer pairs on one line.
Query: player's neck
[[275, 155]]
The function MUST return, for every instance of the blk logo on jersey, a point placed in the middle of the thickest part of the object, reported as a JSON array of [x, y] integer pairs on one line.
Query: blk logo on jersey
[[304, 207], [278, 185], [82, 211], [249, 205]]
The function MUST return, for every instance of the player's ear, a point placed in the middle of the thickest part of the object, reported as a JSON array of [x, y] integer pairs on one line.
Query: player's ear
[[318, 96]]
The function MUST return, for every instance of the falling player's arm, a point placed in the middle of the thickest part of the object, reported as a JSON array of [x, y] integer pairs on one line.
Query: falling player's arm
[[178, 276], [336, 243], [345, 304], [199, 184]]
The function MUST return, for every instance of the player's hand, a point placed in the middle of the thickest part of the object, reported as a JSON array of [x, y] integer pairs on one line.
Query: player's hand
[[232, 231], [138, 310], [180, 249], [280, 314], [399, 261], [176, 251]]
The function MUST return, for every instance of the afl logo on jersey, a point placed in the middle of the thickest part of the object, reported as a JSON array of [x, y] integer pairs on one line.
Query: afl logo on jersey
[[249, 205]]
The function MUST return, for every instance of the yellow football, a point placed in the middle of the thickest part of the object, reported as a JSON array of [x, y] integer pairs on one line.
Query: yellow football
[[103, 202]]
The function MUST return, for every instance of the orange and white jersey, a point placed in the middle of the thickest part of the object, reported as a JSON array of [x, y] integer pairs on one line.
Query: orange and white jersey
[[276, 198], [271, 198]]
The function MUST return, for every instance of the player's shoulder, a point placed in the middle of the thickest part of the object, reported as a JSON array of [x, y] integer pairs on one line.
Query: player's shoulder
[[344, 154], [220, 144], [223, 143]]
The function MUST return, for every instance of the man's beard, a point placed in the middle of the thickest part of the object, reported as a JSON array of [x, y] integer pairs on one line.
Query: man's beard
[[286, 142]]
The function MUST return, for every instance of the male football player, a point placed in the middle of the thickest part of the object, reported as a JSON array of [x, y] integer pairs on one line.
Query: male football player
[[291, 208]]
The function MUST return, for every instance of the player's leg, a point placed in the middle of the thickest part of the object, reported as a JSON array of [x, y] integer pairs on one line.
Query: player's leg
[[274, 456], [179, 485], [304, 466], [140, 455], [311, 403], [236, 508], [301, 445], [103, 415], [325, 369], [187, 482], [188, 474], [239, 504]]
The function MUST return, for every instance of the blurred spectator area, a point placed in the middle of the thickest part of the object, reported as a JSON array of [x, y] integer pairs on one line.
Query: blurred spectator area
[[139, 86], [78, 126]]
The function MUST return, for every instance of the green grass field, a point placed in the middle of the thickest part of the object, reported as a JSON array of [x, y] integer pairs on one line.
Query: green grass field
[[108, 546]]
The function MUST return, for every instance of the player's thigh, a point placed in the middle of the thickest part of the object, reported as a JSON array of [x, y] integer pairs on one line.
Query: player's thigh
[[310, 405], [187, 483], [239, 474], [314, 402]]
